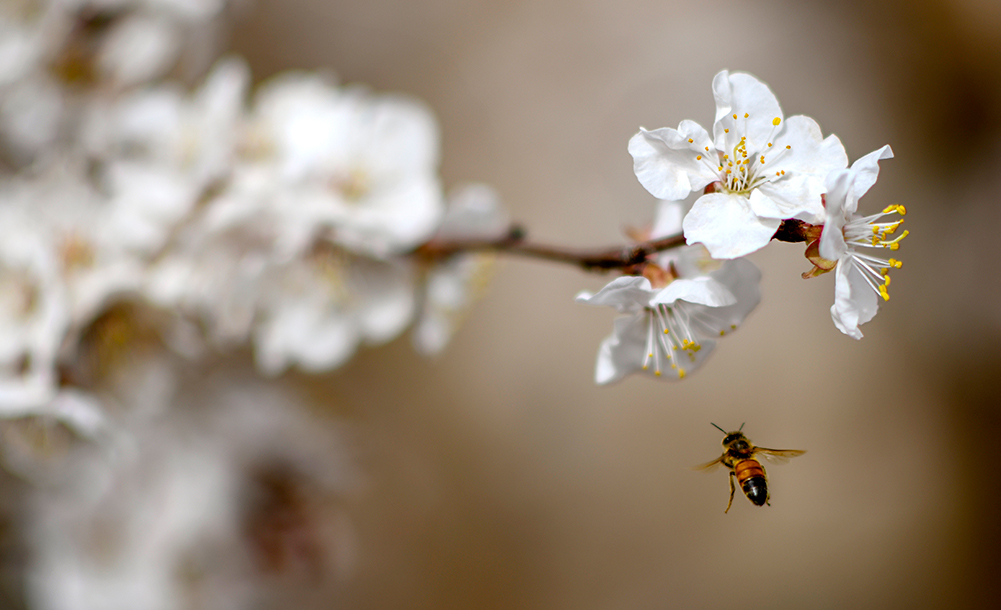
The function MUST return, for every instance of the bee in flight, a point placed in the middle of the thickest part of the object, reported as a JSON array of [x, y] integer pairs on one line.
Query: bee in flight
[[740, 456]]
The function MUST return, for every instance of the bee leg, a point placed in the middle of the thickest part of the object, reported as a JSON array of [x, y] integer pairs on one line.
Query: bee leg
[[733, 488]]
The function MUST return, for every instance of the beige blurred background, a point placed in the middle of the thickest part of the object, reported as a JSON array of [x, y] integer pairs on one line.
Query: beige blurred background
[[500, 476]]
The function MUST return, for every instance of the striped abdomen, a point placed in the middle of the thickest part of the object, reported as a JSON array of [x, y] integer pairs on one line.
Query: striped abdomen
[[751, 477]]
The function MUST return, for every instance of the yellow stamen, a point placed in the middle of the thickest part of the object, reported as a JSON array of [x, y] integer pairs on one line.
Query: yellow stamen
[[776, 121]]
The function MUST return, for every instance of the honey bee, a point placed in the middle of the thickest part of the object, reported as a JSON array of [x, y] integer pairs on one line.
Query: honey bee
[[740, 456]]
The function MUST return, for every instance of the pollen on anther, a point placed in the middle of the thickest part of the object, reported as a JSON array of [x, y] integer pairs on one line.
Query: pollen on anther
[[726, 131], [746, 115], [722, 332], [681, 373], [776, 121], [769, 145], [777, 174], [783, 172], [698, 158], [707, 149], [690, 140], [788, 147]]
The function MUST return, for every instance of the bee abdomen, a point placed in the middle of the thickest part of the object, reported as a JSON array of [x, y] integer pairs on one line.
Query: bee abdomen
[[751, 477]]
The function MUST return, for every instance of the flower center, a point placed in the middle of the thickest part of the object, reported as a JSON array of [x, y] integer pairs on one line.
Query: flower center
[[868, 232], [669, 338], [747, 165]]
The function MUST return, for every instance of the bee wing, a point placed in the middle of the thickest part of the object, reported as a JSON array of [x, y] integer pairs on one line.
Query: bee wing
[[710, 465], [777, 456]]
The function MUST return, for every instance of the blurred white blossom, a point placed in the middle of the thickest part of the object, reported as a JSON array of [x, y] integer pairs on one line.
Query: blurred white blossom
[[451, 286]]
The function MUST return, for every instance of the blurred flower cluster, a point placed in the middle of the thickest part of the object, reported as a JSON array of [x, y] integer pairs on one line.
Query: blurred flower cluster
[[285, 220], [156, 215]]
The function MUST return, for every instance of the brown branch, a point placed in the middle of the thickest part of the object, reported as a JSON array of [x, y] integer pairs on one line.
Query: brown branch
[[514, 242], [602, 259]]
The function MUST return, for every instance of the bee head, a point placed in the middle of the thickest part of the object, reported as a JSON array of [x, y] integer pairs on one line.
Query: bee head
[[735, 440]]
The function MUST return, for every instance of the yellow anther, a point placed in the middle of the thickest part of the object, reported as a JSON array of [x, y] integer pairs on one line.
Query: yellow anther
[[883, 293], [762, 158], [886, 281], [681, 373], [645, 367], [883, 271], [674, 366], [894, 246], [776, 121], [650, 355], [769, 145], [746, 115], [783, 172], [707, 149], [788, 147], [875, 229], [726, 156], [657, 373], [726, 131], [690, 140], [734, 116], [777, 174], [666, 331], [722, 332], [675, 346], [730, 164], [720, 168], [698, 158], [733, 327], [902, 210], [895, 263]]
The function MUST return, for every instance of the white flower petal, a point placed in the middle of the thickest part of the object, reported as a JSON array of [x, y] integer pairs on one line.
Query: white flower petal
[[855, 302], [668, 218], [627, 294], [832, 241], [665, 162], [866, 170], [701, 290], [742, 94], [792, 196], [727, 226]]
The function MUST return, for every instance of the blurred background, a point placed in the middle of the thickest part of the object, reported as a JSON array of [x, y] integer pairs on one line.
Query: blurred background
[[498, 475]]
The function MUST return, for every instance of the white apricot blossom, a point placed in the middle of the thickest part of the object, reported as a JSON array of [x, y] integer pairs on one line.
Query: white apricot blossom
[[360, 168], [757, 168], [672, 329], [316, 309], [861, 279]]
